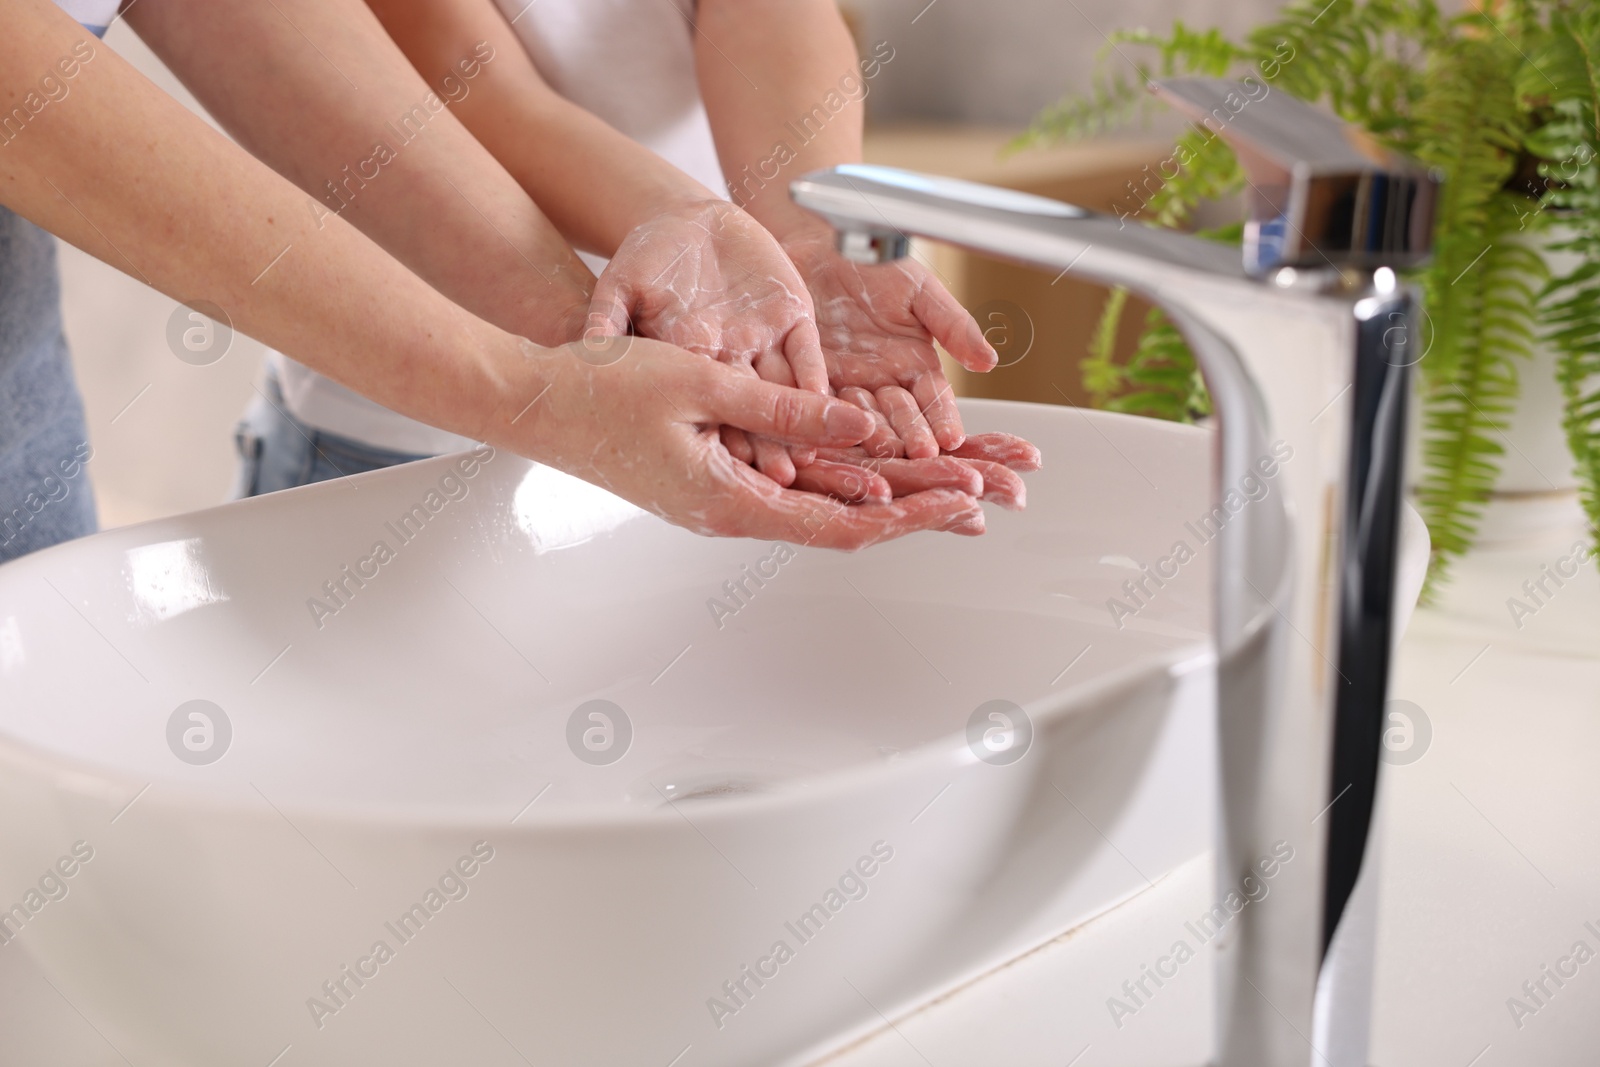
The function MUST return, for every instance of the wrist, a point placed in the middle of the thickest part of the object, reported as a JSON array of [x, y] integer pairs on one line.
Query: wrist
[[521, 374], [800, 228], [810, 249], [680, 201], [704, 206], [555, 314]]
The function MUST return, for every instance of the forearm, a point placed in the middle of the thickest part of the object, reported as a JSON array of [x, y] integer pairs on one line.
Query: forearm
[[352, 124], [593, 182], [804, 111], [121, 170]]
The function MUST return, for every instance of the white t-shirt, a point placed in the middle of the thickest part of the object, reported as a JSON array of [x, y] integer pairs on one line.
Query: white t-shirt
[[629, 62]]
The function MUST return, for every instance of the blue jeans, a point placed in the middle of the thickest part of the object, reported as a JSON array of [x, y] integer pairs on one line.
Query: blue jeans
[[45, 497], [278, 451]]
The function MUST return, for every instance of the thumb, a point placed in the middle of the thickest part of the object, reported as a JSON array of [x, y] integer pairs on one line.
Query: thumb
[[786, 413], [953, 327], [609, 308]]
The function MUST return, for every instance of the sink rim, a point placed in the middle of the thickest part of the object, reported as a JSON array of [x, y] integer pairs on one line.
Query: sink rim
[[87, 775]]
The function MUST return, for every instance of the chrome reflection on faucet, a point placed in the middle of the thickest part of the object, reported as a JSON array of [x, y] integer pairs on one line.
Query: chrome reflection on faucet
[[1307, 341]]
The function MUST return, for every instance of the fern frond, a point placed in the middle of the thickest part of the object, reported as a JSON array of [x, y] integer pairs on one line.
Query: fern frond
[[1163, 377], [1184, 51], [1114, 98], [1102, 378], [1466, 413], [1360, 57], [1162, 372], [1204, 168], [1469, 125], [1562, 66], [1112, 101], [1569, 67]]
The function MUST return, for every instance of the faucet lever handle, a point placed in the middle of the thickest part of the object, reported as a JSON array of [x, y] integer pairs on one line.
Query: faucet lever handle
[[1323, 193]]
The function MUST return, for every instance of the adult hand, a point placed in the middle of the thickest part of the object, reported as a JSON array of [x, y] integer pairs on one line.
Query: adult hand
[[878, 325], [708, 278], [641, 418]]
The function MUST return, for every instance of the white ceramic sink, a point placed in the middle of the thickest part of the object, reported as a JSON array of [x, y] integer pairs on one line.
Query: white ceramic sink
[[816, 742]]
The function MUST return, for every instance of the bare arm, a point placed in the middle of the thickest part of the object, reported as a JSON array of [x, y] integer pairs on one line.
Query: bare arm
[[595, 183], [120, 169], [322, 95], [784, 91], [781, 72]]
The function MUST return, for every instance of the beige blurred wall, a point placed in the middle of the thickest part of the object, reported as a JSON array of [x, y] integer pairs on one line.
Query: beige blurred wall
[[999, 61]]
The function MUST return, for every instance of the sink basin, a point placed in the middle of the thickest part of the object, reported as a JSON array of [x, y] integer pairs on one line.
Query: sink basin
[[471, 762]]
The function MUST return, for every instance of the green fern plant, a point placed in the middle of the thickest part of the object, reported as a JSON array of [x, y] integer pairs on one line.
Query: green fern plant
[[1482, 287], [1477, 95], [1564, 78]]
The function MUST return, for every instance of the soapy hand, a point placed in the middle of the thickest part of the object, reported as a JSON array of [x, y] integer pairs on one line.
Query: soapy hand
[[878, 326], [641, 418], [708, 278], [1004, 448], [984, 466], [986, 460]]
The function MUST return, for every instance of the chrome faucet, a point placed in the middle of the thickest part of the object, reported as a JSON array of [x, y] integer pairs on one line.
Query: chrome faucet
[[1307, 343]]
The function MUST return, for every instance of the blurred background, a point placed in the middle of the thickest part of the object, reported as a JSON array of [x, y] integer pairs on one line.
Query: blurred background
[[966, 77]]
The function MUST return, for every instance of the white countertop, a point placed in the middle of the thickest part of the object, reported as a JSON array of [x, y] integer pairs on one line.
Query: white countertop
[[1491, 868]]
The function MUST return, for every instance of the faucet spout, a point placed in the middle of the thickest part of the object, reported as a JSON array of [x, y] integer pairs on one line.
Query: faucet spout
[[1306, 346], [875, 209]]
